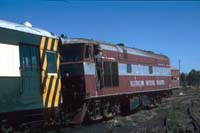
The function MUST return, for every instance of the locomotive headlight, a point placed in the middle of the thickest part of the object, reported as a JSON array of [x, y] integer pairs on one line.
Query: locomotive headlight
[[67, 74]]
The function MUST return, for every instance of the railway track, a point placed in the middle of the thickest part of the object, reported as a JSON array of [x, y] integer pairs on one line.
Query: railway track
[[158, 123], [194, 125], [185, 97], [163, 125]]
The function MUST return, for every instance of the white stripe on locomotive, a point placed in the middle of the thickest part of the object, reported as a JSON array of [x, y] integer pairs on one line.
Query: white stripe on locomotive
[[137, 70]]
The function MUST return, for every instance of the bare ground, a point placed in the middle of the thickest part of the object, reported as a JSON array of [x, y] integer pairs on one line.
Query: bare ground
[[171, 116]]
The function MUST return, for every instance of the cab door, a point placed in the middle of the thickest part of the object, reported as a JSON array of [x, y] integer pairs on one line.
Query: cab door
[[30, 77]]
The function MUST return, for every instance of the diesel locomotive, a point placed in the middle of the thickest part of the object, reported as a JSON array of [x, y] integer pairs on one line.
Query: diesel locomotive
[[100, 80]]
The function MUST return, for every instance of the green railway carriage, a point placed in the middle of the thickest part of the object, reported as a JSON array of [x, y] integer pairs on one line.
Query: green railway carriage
[[29, 73]]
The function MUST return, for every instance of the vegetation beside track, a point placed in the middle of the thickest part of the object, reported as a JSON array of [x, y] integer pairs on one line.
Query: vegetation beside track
[[170, 116]]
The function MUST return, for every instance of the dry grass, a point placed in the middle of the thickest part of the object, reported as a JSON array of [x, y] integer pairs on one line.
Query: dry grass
[[171, 115]]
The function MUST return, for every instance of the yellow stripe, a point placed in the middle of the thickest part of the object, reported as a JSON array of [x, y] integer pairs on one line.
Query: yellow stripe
[[58, 62], [57, 95], [41, 53], [45, 91], [49, 44], [51, 93], [43, 73], [42, 42], [55, 45], [43, 76], [45, 63]]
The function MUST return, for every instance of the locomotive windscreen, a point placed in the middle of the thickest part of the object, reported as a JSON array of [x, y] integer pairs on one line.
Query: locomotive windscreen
[[71, 52]]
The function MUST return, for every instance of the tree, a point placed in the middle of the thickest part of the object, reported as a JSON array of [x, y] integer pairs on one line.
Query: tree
[[183, 79], [193, 78]]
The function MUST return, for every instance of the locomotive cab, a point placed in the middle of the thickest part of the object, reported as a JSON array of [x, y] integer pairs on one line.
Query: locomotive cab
[[79, 72]]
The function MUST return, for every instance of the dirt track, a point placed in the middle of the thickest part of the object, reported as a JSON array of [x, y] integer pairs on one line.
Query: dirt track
[[171, 116]]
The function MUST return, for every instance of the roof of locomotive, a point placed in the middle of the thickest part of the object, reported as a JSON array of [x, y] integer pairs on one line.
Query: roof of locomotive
[[174, 68], [78, 40], [114, 47], [26, 29]]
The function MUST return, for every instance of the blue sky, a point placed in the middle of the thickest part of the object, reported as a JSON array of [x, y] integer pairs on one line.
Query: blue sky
[[168, 27]]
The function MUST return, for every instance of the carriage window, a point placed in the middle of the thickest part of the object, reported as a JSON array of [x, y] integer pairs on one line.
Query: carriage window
[[10, 60], [28, 57], [34, 57], [129, 69], [51, 62]]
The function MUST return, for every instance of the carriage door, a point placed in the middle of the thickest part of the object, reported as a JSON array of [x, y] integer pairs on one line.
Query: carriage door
[[30, 75]]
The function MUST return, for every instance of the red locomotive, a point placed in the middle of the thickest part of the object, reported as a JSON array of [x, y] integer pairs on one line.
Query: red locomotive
[[101, 79]]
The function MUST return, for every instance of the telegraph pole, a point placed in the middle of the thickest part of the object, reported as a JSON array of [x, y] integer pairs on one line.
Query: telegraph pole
[[179, 66]]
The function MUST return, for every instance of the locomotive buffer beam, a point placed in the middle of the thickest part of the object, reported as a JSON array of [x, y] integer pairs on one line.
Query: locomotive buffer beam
[[79, 117]]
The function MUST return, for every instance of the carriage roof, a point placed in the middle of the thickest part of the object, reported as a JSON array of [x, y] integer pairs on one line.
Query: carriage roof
[[26, 29]]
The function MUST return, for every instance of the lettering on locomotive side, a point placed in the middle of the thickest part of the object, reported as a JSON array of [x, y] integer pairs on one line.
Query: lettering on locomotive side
[[150, 82], [136, 83], [160, 82], [139, 83]]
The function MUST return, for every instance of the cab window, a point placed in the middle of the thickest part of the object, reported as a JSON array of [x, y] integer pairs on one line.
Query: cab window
[[71, 52], [51, 62]]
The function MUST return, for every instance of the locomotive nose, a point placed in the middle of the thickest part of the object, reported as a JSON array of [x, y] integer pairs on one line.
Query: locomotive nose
[[73, 92], [73, 86]]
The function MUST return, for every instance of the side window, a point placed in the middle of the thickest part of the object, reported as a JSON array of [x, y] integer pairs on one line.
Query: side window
[[107, 74], [150, 70], [129, 69], [115, 74], [111, 75], [28, 58], [9, 60], [51, 62], [88, 52], [34, 57]]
